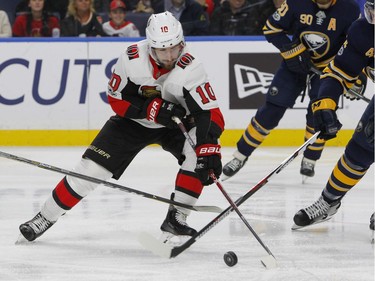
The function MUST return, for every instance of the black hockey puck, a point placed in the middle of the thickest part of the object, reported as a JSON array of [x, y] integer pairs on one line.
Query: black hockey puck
[[230, 258]]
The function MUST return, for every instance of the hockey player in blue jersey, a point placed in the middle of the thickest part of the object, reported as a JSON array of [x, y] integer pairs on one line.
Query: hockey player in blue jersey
[[318, 29], [355, 56]]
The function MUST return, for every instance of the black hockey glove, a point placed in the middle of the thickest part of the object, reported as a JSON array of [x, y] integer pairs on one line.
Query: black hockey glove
[[161, 111], [297, 57], [358, 88], [208, 160], [325, 118]]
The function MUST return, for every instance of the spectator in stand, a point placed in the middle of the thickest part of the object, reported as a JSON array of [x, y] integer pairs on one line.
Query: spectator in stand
[[36, 22], [144, 6], [190, 13], [101, 6], [5, 28], [208, 6], [239, 17], [118, 26], [82, 20], [57, 7]]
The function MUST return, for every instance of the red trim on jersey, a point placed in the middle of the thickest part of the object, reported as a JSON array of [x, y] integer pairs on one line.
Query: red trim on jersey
[[217, 118], [189, 183], [65, 196], [157, 71], [120, 107]]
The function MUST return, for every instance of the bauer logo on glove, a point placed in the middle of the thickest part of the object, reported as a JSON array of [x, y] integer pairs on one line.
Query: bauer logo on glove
[[209, 150]]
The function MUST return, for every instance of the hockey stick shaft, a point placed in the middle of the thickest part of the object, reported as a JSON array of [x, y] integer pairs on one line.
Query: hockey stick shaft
[[221, 187], [318, 72], [108, 184], [179, 249]]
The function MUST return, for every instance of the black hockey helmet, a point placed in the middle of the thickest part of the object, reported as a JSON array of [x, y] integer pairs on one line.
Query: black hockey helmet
[[369, 11]]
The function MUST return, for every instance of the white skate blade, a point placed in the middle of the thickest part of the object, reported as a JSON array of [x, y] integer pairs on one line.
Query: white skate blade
[[224, 177], [269, 262], [156, 246], [173, 240], [21, 240], [296, 227], [304, 179]]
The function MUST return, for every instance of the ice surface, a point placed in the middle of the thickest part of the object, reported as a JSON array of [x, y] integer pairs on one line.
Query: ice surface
[[97, 240]]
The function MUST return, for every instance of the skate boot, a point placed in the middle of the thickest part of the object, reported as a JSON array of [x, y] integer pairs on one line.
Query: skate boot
[[232, 167], [34, 228], [319, 211], [175, 223], [307, 167]]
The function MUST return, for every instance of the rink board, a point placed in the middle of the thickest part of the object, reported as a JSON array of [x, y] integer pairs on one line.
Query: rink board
[[52, 92]]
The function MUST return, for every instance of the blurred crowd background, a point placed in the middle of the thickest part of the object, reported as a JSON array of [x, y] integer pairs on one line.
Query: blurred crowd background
[[128, 18]]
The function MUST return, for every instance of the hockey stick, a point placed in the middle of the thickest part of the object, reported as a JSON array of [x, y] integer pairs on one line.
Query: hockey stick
[[270, 261], [168, 251], [213, 209], [318, 72]]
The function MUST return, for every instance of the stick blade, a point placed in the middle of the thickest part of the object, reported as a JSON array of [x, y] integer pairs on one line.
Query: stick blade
[[157, 247], [269, 262], [209, 209]]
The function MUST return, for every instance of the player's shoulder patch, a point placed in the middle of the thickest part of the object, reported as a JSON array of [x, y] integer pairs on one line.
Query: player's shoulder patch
[[185, 60], [132, 52]]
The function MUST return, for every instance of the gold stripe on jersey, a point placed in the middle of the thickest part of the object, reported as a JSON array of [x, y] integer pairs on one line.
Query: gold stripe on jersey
[[300, 48], [324, 63], [333, 71], [268, 28]]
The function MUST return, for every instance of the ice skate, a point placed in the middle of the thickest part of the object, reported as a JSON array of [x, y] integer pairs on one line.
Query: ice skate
[[307, 168], [35, 227], [319, 211], [232, 167], [175, 225]]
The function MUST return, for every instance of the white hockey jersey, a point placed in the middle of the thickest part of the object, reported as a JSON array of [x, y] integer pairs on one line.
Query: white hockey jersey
[[127, 29], [187, 84]]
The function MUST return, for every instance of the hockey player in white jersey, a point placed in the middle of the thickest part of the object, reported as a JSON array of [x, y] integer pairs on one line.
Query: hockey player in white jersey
[[153, 80]]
